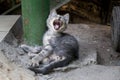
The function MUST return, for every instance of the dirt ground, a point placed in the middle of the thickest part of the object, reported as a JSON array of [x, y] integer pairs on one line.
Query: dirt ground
[[95, 48], [95, 37]]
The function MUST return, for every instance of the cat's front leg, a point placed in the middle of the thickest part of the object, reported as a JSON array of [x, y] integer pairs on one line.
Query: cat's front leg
[[45, 52], [36, 60]]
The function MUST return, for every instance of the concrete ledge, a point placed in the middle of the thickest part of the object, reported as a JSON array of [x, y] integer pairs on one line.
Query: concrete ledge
[[6, 23], [92, 72]]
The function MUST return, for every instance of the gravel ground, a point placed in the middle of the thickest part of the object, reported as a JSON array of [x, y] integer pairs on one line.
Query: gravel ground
[[95, 48]]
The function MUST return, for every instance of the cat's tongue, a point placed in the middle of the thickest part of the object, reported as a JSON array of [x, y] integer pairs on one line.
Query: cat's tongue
[[56, 27]]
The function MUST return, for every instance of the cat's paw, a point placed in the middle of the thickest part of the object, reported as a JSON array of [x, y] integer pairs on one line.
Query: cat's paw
[[24, 47], [35, 60], [89, 62]]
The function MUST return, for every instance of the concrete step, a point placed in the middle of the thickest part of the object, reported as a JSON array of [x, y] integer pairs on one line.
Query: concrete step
[[6, 23], [92, 72]]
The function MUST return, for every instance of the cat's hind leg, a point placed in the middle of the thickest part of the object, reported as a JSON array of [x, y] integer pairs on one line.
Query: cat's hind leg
[[49, 67], [31, 49]]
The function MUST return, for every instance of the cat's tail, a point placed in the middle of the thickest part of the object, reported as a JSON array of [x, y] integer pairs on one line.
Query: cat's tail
[[49, 67]]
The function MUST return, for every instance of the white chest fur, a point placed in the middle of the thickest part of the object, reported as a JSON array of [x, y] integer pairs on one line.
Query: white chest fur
[[48, 36]]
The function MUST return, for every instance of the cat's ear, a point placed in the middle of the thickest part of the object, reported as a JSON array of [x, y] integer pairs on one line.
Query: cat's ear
[[53, 13], [66, 16]]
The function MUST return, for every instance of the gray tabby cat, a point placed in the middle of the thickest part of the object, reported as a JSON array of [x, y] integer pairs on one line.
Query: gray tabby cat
[[59, 49]]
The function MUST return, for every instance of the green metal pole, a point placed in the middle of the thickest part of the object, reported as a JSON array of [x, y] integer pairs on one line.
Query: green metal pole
[[34, 14]]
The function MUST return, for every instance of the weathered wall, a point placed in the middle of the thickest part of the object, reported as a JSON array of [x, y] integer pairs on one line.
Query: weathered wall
[[82, 10]]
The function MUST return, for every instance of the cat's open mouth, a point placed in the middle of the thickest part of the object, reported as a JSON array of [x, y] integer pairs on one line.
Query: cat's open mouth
[[57, 24]]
